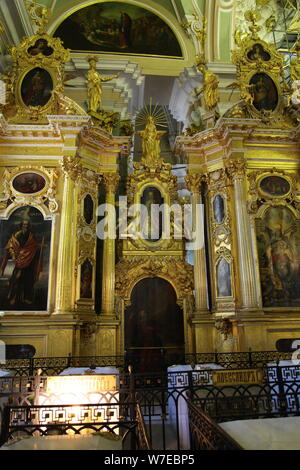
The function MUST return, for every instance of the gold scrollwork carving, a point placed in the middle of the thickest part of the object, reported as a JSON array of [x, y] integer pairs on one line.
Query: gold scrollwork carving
[[258, 197], [71, 167], [111, 181], [44, 197], [131, 270]]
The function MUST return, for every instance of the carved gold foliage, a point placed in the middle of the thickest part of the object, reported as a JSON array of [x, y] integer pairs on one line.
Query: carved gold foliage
[[131, 270], [236, 168], [193, 182], [111, 181], [71, 167], [225, 253], [259, 198]]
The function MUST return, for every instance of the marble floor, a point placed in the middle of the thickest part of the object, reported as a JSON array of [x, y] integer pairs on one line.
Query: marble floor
[[265, 434]]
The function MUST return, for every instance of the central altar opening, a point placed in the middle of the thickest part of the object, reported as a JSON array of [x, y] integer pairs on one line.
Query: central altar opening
[[154, 327]]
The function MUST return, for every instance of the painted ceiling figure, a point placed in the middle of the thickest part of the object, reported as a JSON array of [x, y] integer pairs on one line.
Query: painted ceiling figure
[[95, 86]]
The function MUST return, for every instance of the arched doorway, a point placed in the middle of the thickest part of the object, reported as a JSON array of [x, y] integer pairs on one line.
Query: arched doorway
[[154, 329]]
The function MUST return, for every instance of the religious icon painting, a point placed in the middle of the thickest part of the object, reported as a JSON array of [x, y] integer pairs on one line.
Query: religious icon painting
[[118, 27], [29, 183], [264, 92], [219, 208], [275, 186], [152, 218], [88, 209], [278, 241], [258, 53], [41, 47], [223, 279], [37, 87], [86, 280], [25, 240]]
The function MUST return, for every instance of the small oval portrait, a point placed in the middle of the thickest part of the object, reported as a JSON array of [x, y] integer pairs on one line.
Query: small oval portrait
[[275, 186], [264, 92], [219, 208], [37, 86], [29, 183], [88, 209], [258, 53]]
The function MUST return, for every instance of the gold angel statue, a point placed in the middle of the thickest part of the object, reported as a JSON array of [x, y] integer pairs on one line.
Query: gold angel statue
[[95, 86], [210, 87]]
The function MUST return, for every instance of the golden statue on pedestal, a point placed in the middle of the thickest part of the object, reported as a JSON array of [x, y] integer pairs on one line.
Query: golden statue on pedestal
[[151, 143], [95, 86]]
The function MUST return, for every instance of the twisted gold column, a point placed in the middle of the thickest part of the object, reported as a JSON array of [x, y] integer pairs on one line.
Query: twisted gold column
[[111, 181], [200, 279]]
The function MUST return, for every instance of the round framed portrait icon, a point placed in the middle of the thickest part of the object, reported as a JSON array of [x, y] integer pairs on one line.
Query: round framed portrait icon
[[37, 87]]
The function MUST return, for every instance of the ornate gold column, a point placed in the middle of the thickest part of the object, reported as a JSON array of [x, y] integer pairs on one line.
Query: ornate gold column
[[236, 169], [65, 263], [111, 181], [193, 182]]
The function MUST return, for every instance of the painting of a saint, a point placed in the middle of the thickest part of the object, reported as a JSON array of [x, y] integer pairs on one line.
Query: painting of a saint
[[278, 237], [88, 209], [264, 92], [24, 267], [86, 280], [218, 208], [152, 225], [118, 27], [37, 86], [29, 183], [40, 47], [223, 279], [258, 53], [275, 186]]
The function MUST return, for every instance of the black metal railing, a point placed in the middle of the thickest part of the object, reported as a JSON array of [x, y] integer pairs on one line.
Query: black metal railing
[[163, 398], [105, 419], [162, 357], [205, 434]]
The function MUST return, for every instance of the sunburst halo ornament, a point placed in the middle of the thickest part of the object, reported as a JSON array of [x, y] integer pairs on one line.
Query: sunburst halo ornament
[[155, 112]]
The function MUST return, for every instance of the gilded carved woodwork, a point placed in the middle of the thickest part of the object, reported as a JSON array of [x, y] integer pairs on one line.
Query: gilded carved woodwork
[[131, 270], [10, 197], [259, 198]]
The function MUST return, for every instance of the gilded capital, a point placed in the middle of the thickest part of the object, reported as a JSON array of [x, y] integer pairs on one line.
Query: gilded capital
[[193, 182], [111, 181], [236, 169], [71, 167]]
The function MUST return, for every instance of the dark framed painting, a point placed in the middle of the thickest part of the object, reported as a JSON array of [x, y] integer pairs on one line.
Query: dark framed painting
[[258, 53], [278, 245], [25, 240], [88, 209], [37, 87], [275, 186], [86, 280], [223, 279], [29, 183], [152, 220], [118, 27], [40, 47], [219, 208], [264, 91]]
